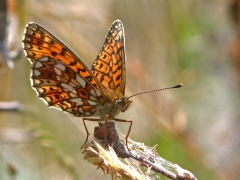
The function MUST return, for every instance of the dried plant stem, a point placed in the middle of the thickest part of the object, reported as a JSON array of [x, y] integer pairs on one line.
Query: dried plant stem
[[139, 161]]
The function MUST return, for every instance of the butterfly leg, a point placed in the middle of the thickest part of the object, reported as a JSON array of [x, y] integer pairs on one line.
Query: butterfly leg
[[85, 126], [130, 121]]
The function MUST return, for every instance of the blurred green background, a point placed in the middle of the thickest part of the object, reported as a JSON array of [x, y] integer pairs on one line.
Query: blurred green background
[[167, 42]]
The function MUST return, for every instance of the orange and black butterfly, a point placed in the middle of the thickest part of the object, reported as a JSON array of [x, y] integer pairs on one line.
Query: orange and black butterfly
[[65, 82]]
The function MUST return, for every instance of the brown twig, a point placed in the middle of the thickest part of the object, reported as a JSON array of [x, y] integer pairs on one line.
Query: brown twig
[[106, 135]]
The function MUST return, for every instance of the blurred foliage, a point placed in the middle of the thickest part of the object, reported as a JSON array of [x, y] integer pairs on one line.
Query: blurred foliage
[[167, 42]]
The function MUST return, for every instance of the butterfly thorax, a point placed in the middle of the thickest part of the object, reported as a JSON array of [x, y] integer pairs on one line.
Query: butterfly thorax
[[114, 105]]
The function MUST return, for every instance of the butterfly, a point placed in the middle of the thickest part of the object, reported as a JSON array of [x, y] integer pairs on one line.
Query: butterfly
[[63, 81]]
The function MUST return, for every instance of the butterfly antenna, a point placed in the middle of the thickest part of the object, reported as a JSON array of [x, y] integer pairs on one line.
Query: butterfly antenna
[[145, 92]]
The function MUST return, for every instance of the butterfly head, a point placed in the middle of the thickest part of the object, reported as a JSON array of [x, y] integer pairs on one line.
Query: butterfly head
[[122, 103]]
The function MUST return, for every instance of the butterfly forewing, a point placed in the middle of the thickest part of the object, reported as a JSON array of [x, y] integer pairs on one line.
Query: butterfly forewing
[[59, 76], [109, 67]]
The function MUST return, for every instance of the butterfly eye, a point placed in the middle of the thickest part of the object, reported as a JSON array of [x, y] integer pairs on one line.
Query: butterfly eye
[[123, 103], [119, 103]]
